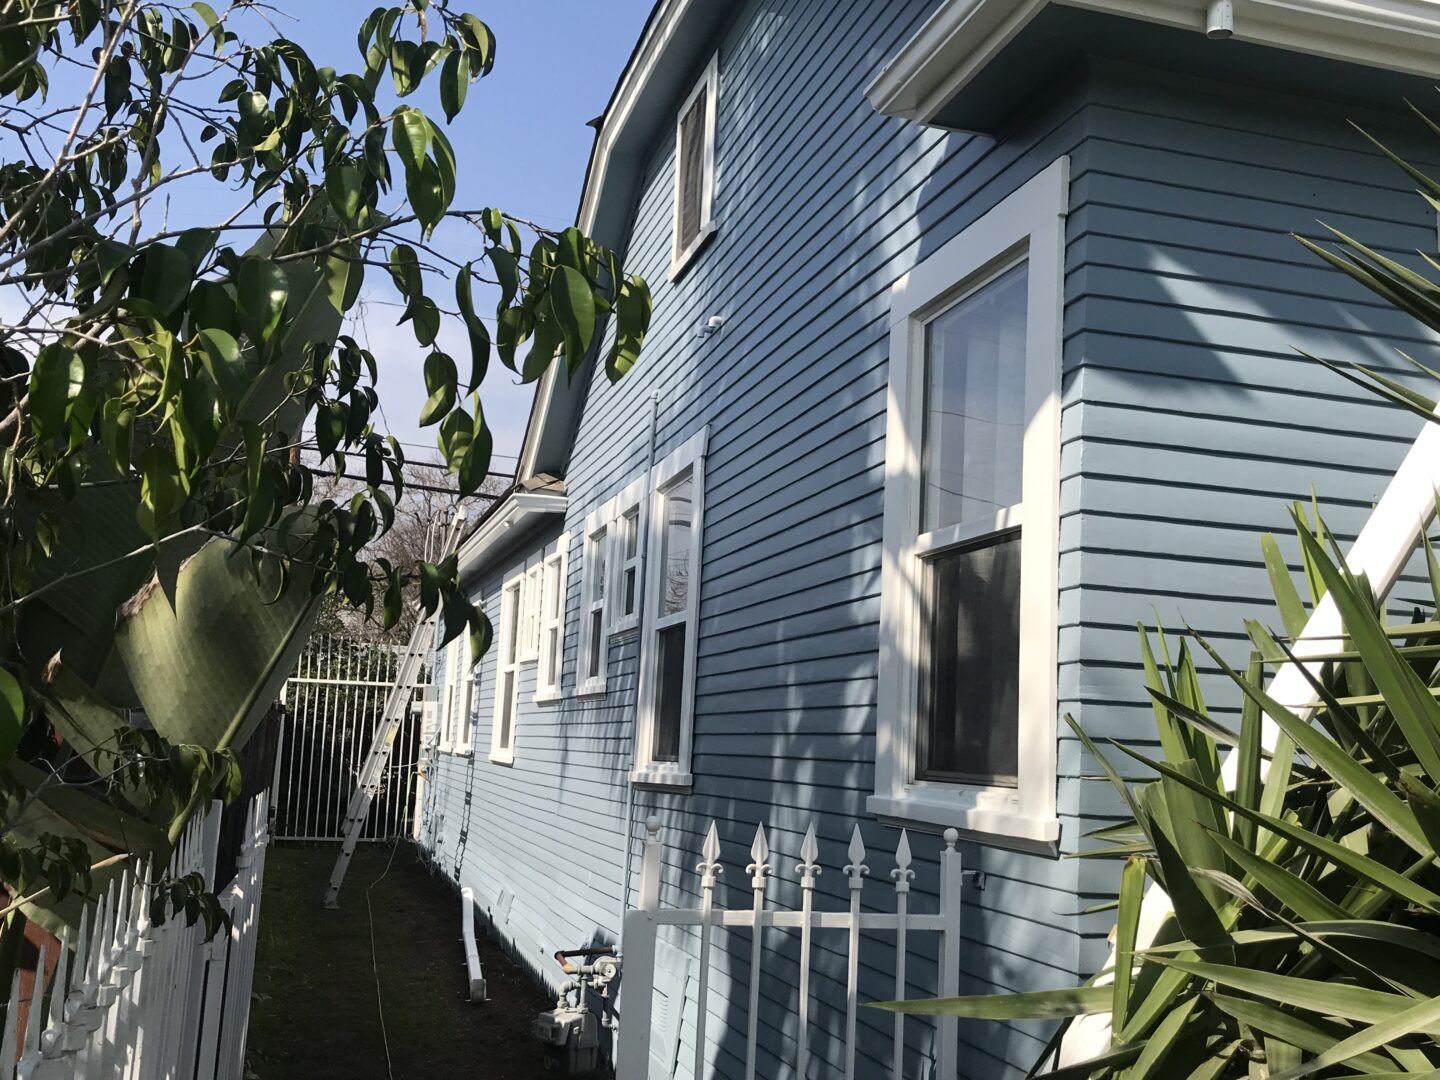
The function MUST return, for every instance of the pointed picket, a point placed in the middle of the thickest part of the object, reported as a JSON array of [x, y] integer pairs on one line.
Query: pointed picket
[[709, 869], [809, 870], [855, 871], [759, 871]]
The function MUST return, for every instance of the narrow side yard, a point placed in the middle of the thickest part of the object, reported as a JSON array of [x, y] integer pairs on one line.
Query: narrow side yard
[[314, 1012]]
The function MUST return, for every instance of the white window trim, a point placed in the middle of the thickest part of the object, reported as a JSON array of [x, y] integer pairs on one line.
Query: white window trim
[[528, 616], [1030, 223], [599, 538], [709, 83], [688, 457], [511, 601], [549, 677], [456, 724], [631, 497]]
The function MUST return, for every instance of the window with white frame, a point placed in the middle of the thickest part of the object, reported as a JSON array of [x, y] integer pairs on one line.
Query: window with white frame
[[507, 674], [626, 512], [455, 721], [666, 711], [552, 589], [528, 647], [693, 221], [594, 572], [970, 580]]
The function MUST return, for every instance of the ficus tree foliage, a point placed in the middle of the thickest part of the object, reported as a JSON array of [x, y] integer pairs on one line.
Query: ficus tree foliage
[[1305, 934], [163, 549]]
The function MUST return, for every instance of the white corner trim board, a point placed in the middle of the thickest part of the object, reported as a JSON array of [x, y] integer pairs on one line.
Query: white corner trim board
[[1380, 552], [963, 36]]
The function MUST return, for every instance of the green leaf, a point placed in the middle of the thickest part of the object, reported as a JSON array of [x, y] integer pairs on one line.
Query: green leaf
[[454, 83], [507, 273], [220, 353], [1308, 1033], [1287, 597], [1038, 1005], [427, 195], [479, 335], [440, 382], [424, 319], [412, 139], [56, 380], [1127, 920], [632, 320], [12, 715], [574, 306], [342, 184], [475, 463], [405, 271], [200, 682], [1424, 1016], [262, 292]]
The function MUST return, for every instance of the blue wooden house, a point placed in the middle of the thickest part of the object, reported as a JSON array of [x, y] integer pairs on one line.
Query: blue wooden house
[[974, 343]]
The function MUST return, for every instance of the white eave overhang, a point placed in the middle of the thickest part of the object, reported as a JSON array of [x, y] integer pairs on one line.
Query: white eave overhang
[[516, 514], [956, 46]]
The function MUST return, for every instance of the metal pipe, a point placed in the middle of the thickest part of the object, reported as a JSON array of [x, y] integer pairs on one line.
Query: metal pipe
[[643, 547]]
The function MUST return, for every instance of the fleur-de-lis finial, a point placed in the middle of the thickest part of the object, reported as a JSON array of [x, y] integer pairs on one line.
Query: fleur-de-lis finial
[[855, 869], [902, 873], [709, 865], [759, 864], [808, 868]]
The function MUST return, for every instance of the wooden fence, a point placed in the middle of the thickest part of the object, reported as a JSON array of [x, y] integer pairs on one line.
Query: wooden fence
[[636, 1055], [139, 1000]]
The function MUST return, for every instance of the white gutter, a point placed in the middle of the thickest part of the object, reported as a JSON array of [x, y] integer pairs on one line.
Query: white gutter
[[963, 36], [519, 508]]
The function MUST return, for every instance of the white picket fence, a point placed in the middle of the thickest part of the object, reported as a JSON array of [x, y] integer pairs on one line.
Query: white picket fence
[[642, 926], [136, 1000]]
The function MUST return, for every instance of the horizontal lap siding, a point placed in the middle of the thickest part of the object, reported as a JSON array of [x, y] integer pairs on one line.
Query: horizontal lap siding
[[1201, 423], [810, 241]]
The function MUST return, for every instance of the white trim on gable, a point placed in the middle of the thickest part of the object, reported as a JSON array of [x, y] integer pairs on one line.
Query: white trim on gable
[[1029, 227], [964, 36]]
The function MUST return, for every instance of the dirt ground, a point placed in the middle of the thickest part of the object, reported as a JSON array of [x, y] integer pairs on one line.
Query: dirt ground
[[314, 1015]]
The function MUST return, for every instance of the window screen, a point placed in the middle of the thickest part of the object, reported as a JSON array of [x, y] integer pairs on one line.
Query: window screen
[[691, 164]]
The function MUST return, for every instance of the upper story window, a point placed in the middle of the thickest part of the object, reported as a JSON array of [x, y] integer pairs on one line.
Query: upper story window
[[507, 673], [694, 170], [970, 582], [665, 717], [553, 586], [455, 723]]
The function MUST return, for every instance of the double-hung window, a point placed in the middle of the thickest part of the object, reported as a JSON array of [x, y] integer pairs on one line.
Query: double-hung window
[[553, 584], [968, 660], [528, 646], [455, 722], [693, 221], [626, 514], [671, 604], [507, 674], [594, 572]]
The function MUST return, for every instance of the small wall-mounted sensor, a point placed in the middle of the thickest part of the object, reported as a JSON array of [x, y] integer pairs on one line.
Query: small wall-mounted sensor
[[1220, 20], [710, 327]]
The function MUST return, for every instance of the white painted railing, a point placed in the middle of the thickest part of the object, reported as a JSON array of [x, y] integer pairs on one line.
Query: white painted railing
[[137, 1000], [643, 923], [333, 704]]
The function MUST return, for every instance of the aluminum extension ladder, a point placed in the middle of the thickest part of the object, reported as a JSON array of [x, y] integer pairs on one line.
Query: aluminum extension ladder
[[397, 703]]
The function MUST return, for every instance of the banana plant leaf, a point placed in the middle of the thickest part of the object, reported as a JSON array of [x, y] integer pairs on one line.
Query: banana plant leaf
[[207, 670]]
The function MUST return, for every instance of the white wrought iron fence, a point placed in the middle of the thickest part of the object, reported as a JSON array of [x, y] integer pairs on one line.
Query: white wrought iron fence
[[333, 704], [139, 1000], [635, 1052]]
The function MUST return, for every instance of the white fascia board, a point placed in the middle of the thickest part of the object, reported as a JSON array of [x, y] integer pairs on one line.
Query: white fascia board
[[520, 508], [633, 84], [963, 36]]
